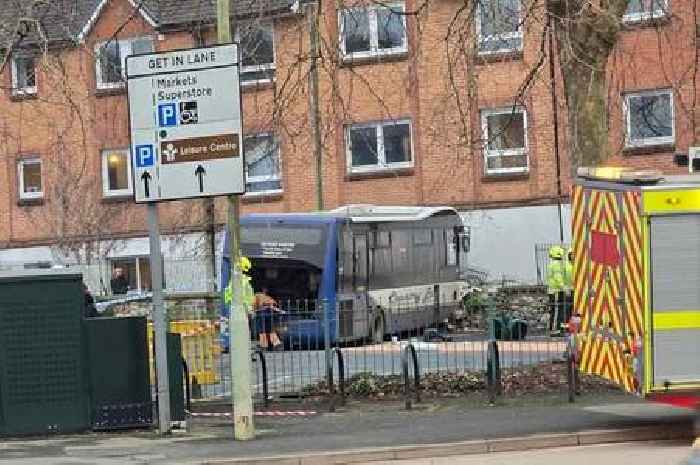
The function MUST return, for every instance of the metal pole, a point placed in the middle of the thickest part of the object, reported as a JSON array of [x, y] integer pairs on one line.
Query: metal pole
[[555, 117], [313, 13], [160, 324], [239, 333]]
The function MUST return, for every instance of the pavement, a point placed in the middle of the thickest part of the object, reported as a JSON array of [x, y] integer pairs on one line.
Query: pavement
[[377, 431], [644, 453]]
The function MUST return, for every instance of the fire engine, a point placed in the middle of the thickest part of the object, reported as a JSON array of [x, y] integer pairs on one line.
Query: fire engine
[[636, 273]]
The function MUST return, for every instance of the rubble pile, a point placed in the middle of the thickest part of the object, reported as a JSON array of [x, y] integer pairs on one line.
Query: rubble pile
[[537, 379]]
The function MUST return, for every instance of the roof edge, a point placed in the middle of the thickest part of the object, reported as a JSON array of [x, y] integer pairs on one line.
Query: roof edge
[[87, 28]]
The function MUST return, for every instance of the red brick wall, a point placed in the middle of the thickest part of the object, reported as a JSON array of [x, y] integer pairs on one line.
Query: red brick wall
[[448, 158]]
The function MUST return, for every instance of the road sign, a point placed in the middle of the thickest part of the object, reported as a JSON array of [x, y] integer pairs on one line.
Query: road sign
[[185, 120]]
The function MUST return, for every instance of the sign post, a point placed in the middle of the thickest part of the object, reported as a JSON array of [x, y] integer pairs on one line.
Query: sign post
[[160, 321], [239, 333], [186, 133]]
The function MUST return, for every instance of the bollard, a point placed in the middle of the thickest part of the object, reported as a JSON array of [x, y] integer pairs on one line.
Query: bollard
[[406, 377], [196, 388], [571, 375], [263, 367], [493, 371], [188, 393], [341, 374], [328, 352]]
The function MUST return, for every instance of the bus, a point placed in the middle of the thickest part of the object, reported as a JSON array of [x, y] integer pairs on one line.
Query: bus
[[378, 270]]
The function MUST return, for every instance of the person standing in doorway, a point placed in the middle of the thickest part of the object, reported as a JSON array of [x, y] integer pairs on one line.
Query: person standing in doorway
[[119, 284]]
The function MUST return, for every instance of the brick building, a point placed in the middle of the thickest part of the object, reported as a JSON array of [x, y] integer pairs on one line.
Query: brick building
[[414, 111]]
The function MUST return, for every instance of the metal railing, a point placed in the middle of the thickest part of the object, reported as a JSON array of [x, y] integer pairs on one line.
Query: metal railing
[[295, 352]]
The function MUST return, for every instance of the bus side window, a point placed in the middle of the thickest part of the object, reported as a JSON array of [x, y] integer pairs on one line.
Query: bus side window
[[359, 263], [451, 247]]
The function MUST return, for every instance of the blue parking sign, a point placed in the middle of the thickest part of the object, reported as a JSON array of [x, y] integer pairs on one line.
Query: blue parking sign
[[144, 156], [167, 115]]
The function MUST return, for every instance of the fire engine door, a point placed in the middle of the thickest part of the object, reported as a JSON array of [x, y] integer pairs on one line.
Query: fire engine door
[[675, 299]]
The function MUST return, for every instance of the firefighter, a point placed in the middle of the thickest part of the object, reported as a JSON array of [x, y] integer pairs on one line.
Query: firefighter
[[568, 286], [248, 297], [556, 272]]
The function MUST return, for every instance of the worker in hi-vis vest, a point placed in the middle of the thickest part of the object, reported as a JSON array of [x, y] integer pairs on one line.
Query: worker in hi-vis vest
[[556, 285], [247, 295]]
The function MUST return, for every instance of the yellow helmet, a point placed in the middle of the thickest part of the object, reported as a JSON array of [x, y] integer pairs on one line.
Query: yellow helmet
[[556, 252], [244, 264]]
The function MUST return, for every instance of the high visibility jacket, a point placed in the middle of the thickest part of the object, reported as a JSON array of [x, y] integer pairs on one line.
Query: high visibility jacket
[[556, 272], [568, 275], [246, 290]]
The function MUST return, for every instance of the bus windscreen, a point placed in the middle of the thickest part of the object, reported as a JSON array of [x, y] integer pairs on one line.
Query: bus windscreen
[[296, 242]]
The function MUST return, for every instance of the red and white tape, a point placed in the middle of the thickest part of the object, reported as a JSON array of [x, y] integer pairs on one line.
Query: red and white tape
[[270, 413]]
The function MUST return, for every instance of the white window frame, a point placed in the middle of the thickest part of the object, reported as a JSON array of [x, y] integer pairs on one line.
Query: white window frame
[[254, 179], [488, 153], [106, 191], [258, 68], [20, 174], [381, 165], [16, 90], [374, 50], [647, 15], [653, 141], [500, 37], [125, 48]]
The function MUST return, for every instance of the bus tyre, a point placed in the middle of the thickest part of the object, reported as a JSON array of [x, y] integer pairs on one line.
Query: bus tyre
[[378, 330]]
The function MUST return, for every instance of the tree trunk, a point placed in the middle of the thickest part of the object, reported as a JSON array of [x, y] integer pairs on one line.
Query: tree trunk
[[586, 34]]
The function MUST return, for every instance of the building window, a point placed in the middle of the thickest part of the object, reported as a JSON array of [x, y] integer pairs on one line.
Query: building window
[[23, 75], [378, 146], [373, 31], [37, 265], [110, 63], [257, 52], [505, 135], [645, 10], [116, 173], [136, 272], [649, 118], [262, 164], [29, 172], [498, 26]]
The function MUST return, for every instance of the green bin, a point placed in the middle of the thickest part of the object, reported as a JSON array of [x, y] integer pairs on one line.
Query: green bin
[[43, 371], [118, 357]]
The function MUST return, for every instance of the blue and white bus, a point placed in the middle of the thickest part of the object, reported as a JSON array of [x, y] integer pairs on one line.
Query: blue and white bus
[[380, 270]]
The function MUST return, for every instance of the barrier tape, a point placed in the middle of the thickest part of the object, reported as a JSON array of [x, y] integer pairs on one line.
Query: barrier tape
[[270, 413]]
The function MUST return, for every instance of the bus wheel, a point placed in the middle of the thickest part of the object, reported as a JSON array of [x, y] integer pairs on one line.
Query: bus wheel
[[378, 330]]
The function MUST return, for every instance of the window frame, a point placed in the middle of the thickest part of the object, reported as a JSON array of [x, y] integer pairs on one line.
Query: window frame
[[20, 175], [374, 50], [255, 179], [644, 16], [258, 68], [125, 48], [489, 153], [106, 191], [648, 142], [505, 36], [381, 155], [16, 90], [113, 261]]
